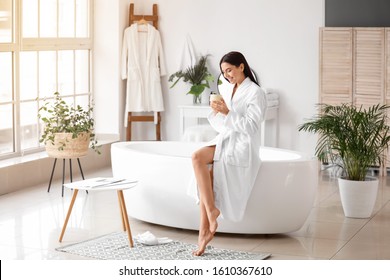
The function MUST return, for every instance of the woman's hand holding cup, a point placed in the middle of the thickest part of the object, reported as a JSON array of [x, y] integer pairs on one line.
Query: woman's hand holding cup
[[215, 97], [218, 104]]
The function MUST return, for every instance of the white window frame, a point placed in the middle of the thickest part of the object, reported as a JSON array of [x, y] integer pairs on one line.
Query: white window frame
[[19, 45]]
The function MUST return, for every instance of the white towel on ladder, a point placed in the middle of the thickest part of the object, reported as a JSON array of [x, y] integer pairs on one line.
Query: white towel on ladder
[[188, 57]]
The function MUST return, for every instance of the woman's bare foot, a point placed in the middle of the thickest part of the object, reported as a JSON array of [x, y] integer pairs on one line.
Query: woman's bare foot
[[213, 220], [203, 239]]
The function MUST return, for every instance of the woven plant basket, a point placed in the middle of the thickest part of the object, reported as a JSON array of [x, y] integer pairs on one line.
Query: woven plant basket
[[74, 147]]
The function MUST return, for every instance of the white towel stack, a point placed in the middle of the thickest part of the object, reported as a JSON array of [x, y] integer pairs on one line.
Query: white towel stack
[[272, 103], [272, 97]]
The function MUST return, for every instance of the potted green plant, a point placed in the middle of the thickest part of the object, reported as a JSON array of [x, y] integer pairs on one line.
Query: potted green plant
[[68, 130], [355, 139], [198, 76]]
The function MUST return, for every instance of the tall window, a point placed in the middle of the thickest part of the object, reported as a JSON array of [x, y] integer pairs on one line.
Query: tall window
[[45, 46]]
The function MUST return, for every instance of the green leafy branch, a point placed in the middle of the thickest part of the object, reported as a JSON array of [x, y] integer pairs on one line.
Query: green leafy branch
[[198, 76]]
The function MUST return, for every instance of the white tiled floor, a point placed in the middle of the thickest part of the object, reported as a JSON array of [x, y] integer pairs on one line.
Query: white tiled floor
[[31, 221]]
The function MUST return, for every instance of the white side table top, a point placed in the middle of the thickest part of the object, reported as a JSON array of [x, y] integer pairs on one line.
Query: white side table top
[[103, 183]]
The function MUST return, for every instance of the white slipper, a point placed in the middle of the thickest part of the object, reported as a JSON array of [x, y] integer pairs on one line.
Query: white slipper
[[147, 238], [164, 240]]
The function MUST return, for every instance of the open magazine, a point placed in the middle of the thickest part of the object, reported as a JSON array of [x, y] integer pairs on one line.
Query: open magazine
[[100, 182]]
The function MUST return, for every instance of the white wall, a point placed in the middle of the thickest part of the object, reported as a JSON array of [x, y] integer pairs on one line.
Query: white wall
[[110, 18], [279, 39]]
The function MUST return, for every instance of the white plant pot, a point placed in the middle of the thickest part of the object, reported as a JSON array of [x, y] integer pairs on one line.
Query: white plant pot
[[358, 197]]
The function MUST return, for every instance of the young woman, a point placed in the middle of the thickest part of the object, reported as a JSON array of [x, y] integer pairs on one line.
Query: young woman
[[226, 168]]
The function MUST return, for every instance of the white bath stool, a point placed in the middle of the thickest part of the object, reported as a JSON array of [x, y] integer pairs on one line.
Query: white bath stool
[[199, 133]]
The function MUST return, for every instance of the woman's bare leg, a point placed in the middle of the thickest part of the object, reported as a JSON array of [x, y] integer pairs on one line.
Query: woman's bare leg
[[216, 213], [205, 236], [200, 160]]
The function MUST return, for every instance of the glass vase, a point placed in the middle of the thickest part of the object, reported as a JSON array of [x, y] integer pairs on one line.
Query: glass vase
[[197, 99]]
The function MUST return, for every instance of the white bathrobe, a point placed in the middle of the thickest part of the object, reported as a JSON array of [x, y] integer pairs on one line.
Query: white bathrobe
[[142, 65], [236, 158]]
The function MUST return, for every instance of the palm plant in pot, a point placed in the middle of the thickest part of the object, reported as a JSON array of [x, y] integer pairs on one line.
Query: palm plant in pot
[[355, 139], [68, 131], [198, 76]]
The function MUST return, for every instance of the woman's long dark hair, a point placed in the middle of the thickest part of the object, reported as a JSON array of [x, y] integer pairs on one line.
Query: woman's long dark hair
[[236, 58]]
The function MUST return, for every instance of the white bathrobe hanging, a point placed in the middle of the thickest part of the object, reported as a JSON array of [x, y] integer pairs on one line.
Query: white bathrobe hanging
[[142, 65], [236, 158]]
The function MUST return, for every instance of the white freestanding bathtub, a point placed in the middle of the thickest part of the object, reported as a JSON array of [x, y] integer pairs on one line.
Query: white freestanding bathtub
[[280, 202]]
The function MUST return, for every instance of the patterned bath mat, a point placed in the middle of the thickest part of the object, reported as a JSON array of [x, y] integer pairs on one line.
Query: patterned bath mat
[[115, 246]]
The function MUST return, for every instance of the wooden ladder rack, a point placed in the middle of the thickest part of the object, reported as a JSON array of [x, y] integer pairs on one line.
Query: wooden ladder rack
[[145, 118]]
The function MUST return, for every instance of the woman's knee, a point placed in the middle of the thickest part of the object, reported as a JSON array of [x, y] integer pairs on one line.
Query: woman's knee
[[203, 156], [196, 157]]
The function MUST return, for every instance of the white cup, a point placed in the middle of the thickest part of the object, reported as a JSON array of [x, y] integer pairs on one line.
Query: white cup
[[215, 97]]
